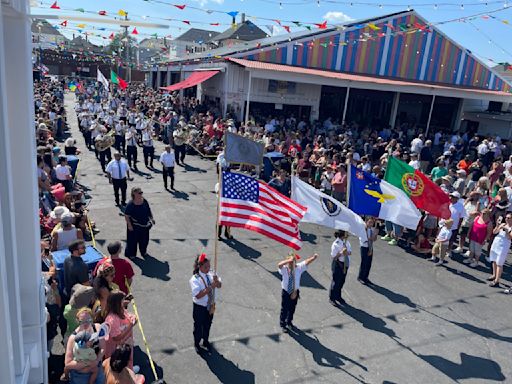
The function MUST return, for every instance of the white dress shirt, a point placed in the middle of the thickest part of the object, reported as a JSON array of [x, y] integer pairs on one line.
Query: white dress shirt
[[197, 285], [284, 271], [117, 169], [337, 246], [62, 172], [167, 159]]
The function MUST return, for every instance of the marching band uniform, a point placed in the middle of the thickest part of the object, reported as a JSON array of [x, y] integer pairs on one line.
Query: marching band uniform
[[340, 254], [290, 272], [203, 284], [131, 147], [180, 138], [120, 143], [118, 173], [148, 150], [168, 162]]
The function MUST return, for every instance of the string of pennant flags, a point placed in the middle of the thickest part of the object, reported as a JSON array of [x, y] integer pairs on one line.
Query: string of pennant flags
[[121, 13], [374, 31]]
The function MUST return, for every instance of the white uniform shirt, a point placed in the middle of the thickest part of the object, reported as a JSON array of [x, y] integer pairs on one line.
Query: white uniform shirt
[[131, 141], [147, 139], [337, 246], [120, 129], [284, 271], [197, 285], [167, 159], [117, 169]]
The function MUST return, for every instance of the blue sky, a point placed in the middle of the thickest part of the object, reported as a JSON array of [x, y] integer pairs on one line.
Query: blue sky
[[486, 37]]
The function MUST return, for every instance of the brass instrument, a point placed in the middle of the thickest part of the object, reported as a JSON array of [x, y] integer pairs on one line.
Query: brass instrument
[[105, 142]]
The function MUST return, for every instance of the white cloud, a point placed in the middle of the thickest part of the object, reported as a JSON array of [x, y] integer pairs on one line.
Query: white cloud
[[203, 3], [337, 17]]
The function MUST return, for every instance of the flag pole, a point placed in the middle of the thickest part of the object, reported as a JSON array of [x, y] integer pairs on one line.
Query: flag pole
[[216, 237], [349, 176]]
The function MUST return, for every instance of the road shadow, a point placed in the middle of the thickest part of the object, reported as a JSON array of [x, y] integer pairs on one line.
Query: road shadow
[[463, 274], [141, 173], [225, 370], [244, 250], [179, 194], [368, 321], [308, 237], [394, 297], [470, 367], [321, 354], [190, 168], [141, 359], [152, 267], [486, 333]]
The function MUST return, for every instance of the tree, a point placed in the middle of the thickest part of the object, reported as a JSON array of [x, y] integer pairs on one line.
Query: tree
[[118, 45]]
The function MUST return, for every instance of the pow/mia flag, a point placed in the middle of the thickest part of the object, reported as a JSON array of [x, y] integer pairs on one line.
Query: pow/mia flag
[[325, 210], [240, 149]]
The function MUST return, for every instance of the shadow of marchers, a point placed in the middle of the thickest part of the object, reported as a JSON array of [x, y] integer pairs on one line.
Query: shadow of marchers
[[392, 296], [322, 355], [225, 370], [141, 359], [152, 267], [190, 168], [470, 367], [462, 274], [245, 251], [179, 194], [308, 237], [486, 333], [368, 321]]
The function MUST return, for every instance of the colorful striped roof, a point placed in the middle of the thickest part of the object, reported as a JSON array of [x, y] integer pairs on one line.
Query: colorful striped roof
[[400, 46]]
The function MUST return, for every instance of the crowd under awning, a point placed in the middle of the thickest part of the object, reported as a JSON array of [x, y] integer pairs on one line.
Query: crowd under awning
[[194, 79]]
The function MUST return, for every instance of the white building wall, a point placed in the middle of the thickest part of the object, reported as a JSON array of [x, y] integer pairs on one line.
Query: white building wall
[[236, 79], [22, 320]]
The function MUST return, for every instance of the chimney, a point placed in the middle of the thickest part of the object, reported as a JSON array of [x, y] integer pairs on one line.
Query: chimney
[[243, 18]]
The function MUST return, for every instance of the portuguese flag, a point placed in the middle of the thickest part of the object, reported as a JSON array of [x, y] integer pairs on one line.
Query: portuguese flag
[[115, 79], [423, 192]]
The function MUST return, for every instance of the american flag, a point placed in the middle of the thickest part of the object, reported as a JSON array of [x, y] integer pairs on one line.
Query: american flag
[[250, 204]]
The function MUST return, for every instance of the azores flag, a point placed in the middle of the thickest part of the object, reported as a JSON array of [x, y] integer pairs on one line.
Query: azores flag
[[368, 195]]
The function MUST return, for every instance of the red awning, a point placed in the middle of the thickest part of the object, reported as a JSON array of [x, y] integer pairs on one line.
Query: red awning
[[194, 79]]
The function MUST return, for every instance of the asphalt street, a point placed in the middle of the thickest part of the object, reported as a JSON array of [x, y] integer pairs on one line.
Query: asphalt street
[[416, 324]]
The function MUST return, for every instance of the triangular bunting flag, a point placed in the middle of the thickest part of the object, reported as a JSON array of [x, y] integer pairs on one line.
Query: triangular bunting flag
[[111, 37], [122, 12], [373, 26], [287, 28], [322, 25], [135, 32], [215, 24], [55, 6], [182, 7], [102, 13], [186, 22], [64, 23]]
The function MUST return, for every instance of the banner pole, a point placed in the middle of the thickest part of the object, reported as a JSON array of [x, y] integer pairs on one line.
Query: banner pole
[[219, 180]]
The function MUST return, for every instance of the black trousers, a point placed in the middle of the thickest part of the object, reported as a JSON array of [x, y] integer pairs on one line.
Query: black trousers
[[87, 138], [202, 323], [138, 237], [287, 308], [148, 153], [180, 151], [120, 144], [120, 184], [366, 264], [105, 158], [168, 172], [339, 274], [131, 155]]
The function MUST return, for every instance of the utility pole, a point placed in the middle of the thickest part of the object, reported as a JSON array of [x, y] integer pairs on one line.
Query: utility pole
[[127, 50]]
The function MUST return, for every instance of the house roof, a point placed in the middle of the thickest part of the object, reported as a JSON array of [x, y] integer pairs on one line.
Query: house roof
[[80, 43], [432, 88], [196, 35], [246, 31], [46, 28]]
